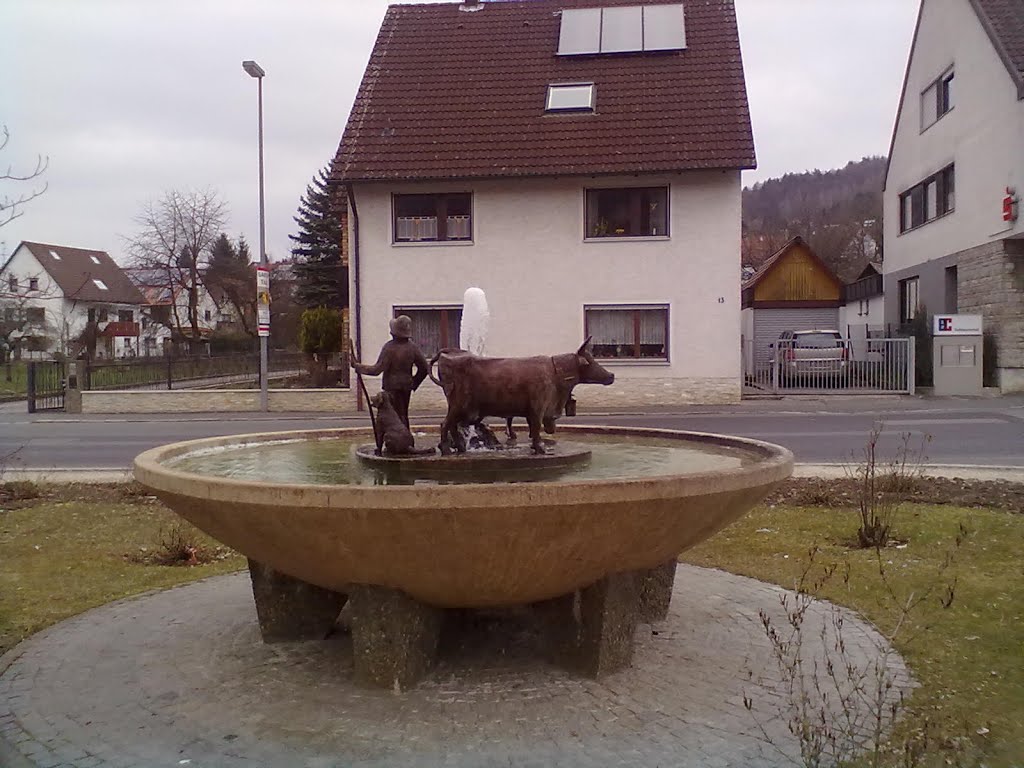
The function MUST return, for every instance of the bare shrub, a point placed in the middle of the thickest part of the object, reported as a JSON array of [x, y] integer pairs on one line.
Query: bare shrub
[[178, 544], [879, 484], [837, 705]]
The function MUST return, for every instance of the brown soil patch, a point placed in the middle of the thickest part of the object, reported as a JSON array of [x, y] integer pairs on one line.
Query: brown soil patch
[[822, 492]]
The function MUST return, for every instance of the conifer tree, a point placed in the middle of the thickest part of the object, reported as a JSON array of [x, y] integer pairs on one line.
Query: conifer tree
[[321, 278]]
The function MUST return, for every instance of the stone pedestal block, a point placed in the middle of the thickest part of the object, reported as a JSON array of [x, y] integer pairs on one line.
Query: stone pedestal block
[[656, 591], [591, 631], [394, 637], [289, 609]]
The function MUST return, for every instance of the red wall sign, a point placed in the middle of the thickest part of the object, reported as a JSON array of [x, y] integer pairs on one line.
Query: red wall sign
[[1010, 205]]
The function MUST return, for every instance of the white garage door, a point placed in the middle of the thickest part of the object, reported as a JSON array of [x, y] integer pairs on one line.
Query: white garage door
[[769, 323]]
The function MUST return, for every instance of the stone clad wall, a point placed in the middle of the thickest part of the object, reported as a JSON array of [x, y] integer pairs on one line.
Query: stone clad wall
[[991, 283], [429, 399], [216, 401]]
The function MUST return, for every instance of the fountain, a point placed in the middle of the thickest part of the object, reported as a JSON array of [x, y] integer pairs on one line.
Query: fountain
[[586, 538]]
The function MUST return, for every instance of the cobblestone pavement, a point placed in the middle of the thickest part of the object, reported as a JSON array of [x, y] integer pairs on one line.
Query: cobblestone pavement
[[181, 678]]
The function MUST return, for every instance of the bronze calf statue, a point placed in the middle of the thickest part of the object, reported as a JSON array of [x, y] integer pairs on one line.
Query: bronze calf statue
[[536, 388]]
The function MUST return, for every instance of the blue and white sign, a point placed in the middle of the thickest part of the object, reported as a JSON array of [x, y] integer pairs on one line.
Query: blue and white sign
[[957, 325]]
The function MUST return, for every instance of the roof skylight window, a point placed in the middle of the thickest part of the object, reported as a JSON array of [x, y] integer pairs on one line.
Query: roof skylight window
[[570, 97], [94, 259], [55, 255], [100, 284]]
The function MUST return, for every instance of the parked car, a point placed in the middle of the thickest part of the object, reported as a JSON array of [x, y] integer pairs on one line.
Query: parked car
[[818, 353]]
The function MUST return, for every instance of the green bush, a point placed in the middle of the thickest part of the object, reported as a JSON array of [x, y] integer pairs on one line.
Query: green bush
[[320, 332]]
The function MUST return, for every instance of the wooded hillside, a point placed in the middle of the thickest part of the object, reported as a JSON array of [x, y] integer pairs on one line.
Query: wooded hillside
[[838, 212]]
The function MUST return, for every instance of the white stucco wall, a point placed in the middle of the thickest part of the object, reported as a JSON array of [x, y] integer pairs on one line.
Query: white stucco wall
[[857, 314], [983, 134], [530, 257]]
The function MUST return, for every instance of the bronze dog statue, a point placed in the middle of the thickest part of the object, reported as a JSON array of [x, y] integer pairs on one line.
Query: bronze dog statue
[[396, 438]]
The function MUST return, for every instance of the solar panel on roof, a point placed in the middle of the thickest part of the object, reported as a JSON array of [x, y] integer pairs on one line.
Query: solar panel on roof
[[580, 32], [622, 29], [664, 28]]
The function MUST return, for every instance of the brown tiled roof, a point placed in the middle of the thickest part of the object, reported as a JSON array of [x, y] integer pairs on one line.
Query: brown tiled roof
[[1004, 22], [455, 94], [75, 271]]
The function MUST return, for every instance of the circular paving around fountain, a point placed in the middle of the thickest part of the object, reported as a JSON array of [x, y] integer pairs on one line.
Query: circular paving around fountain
[[181, 678]]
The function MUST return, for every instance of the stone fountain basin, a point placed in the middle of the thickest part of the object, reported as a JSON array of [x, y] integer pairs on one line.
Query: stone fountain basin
[[467, 545]]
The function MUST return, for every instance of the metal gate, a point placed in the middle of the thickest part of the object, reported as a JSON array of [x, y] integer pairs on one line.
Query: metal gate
[[45, 386], [873, 366]]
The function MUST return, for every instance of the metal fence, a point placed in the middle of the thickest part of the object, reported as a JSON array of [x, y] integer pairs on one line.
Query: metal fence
[[187, 372], [868, 366], [45, 386]]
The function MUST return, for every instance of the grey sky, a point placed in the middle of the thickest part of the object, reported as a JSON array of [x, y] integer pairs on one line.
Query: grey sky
[[131, 98]]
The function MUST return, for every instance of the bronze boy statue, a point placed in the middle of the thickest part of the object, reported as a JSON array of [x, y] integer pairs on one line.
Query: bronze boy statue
[[396, 361]]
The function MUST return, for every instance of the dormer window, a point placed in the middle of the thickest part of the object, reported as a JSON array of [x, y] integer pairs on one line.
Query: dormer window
[[94, 259], [55, 255], [99, 284], [937, 99], [570, 97]]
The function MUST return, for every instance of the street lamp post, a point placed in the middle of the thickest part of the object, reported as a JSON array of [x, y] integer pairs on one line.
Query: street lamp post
[[255, 70]]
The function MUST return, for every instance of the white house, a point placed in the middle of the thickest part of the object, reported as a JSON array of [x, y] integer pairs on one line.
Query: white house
[[580, 162], [57, 292], [165, 319], [953, 239]]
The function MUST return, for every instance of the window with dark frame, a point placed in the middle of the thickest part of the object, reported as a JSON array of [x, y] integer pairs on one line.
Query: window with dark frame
[[35, 315], [909, 299], [627, 212], [12, 283], [937, 99], [125, 316], [33, 283], [432, 218], [433, 328], [628, 332], [929, 199]]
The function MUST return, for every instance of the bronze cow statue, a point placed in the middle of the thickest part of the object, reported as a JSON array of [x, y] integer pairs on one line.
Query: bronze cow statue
[[536, 388]]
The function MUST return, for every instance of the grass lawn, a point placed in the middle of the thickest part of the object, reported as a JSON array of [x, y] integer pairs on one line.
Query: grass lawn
[[74, 549], [59, 558], [16, 384], [968, 658]]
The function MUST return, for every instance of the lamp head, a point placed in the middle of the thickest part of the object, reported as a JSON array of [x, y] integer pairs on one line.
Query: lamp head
[[254, 69]]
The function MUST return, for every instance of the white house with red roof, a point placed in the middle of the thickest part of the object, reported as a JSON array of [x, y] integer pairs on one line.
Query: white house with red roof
[[580, 162], [51, 294]]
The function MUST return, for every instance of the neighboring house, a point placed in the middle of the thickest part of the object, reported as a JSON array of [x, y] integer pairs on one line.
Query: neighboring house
[[793, 290], [953, 239], [74, 301], [862, 315], [165, 325], [580, 164]]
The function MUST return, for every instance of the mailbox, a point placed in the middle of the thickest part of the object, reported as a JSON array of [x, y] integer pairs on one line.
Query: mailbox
[[957, 355]]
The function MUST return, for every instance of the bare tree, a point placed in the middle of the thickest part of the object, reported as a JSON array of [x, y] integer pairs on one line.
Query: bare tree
[[11, 204], [177, 233]]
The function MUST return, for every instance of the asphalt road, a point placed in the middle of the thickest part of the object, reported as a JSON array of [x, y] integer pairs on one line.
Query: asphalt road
[[989, 435]]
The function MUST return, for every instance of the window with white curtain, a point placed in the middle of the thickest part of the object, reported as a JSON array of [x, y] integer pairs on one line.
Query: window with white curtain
[[628, 332], [433, 328]]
